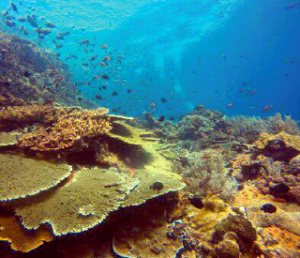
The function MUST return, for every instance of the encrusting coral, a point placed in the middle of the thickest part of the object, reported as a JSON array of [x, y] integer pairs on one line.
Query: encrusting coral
[[22, 177]]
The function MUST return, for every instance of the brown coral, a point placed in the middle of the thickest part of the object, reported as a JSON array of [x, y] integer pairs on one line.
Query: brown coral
[[69, 131]]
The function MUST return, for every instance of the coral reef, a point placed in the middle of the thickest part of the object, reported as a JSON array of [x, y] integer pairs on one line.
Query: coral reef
[[29, 176], [69, 131], [205, 173], [32, 73], [204, 187], [20, 239], [66, 209]]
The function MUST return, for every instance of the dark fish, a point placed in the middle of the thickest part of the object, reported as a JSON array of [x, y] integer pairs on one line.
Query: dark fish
[[84, 42], [27, 74], [172, 118], [163, 100], [161, 119], [93, 58], [21, 19], [60, 36], [32, 21], [242, 90], [10, 17], [267, 108], [50, 25], [58, 46], [98, 97], [115, 110], [43, 31], [251, 93], [291, 5], [14, 7], [105, 77], [157, 186], [129, 90], [115, 93], [104, 87], [9, 23], [4, 13], [268, 208]]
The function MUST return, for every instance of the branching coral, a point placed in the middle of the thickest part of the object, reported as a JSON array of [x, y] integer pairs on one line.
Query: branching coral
[[68, 132]]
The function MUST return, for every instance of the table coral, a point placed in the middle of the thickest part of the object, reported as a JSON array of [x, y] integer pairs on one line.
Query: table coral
[[22, 177], [9, 139], [22, 240], [62, 209]]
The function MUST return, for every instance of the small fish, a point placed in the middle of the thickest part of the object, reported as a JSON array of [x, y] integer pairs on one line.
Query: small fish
[[4, 13], [66, 33], [161, 119], [50, 25], [60, 36], [104, 46], [10, 17], [163, 100], [251, 93], [98, 97], [115, 93], [84, 42], [9, 23], [230, 105], [291, 5], [25, 32], [129, 90], [153, 105], [104, 87], [43, 31], [14, 7], [105, 77], [93, 58], [27, 74], [58, 46], [32, 21], [267, 108], [21, 19], [96, 77], [242, 90]]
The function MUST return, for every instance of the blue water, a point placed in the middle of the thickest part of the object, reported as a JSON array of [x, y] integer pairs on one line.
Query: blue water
[[189, 52]]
